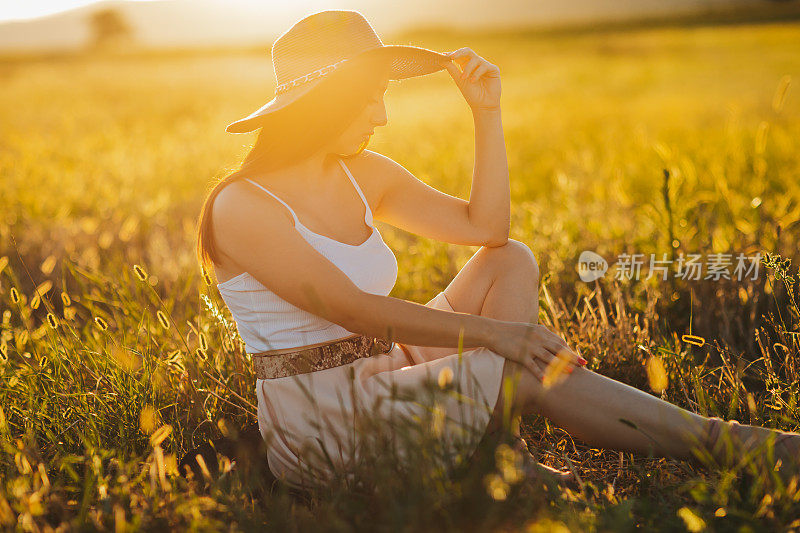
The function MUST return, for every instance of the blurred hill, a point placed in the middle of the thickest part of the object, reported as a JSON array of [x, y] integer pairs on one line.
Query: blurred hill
[[208, 23]]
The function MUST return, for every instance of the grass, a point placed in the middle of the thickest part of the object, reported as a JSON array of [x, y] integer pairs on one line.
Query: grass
[[632, 140]]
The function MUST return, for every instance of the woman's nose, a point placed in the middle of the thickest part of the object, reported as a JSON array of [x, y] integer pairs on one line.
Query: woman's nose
[[379, 119]]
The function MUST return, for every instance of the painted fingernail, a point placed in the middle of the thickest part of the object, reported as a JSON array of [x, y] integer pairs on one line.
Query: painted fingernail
[[582, 361]]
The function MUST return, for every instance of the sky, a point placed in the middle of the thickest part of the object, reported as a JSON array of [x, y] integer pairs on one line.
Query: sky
[[11, 10], [27, 9], [43, 25]]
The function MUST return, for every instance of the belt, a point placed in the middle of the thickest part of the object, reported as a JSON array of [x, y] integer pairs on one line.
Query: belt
[[290, 361]]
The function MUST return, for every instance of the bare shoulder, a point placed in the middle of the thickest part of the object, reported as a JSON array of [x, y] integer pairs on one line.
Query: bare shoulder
[[375, 172], [373, 161], [239, 202]]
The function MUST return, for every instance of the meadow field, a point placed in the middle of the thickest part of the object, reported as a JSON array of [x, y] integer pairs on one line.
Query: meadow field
[[117, 354]]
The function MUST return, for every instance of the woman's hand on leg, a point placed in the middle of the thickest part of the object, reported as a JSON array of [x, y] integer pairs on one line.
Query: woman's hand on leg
[[529, 344]]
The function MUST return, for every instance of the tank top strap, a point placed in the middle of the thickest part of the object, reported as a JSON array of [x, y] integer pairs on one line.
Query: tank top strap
[[368, 211], [296, 220]]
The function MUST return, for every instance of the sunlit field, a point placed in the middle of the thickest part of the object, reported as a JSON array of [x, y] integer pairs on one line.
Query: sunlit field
[[118, 356]]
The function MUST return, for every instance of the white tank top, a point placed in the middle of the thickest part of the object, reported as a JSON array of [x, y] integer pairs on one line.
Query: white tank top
[[267, 322]]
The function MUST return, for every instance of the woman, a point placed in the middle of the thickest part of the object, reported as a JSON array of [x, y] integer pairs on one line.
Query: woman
[[308, 283]]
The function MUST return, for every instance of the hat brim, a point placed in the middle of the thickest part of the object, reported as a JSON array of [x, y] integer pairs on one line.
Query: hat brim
[[405, 61]]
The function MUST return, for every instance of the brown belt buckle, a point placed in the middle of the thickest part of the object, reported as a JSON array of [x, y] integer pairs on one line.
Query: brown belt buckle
[[380, 347]]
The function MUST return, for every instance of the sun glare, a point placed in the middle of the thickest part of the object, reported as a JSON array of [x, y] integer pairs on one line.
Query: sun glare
[[39, 8]]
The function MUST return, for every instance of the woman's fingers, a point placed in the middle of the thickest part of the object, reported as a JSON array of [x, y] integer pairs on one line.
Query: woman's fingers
[[455, 73], [543, 353], [559, 340], [543, 357], [478, 72], [453, 69], [468, 60], [539, 350], [553, 336], [567, 352], [533, 369], [460, 54], [538, 373], [525, 361], [562, 342], [471, 65]]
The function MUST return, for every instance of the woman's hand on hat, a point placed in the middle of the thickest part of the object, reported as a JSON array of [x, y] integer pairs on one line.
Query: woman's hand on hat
[[478, 80]]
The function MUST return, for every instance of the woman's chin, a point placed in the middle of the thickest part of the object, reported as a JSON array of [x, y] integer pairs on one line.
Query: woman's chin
[[355, 147]]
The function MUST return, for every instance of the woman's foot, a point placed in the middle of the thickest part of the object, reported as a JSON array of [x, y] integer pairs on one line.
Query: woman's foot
[[728, 441]]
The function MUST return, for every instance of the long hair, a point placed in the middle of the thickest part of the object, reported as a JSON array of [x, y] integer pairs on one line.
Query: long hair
[[298, 131]]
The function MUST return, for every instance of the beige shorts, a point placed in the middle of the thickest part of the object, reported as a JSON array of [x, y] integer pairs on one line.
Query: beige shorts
[[317, 408]]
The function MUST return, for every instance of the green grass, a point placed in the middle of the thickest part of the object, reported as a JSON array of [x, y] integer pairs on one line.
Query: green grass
[[104, 162]]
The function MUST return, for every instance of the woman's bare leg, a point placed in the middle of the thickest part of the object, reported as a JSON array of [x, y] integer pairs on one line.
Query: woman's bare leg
[[502, 283], [608, 414]]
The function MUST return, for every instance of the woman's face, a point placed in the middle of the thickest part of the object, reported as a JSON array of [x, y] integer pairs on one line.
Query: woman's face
[[362, 128]]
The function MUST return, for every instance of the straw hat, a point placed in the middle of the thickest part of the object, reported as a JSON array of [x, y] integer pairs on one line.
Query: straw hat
[[326, 41]]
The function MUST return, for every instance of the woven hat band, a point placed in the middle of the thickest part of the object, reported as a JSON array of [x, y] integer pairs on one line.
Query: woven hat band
[[319, 41], [282, 88]]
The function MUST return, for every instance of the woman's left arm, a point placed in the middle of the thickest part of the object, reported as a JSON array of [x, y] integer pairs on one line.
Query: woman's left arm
[[410, 204], [490, 197]]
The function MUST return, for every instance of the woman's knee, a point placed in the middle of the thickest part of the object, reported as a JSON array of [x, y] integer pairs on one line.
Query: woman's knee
[[515, 254]]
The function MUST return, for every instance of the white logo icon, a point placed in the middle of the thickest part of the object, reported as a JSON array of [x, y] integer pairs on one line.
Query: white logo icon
[[591, 266]]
